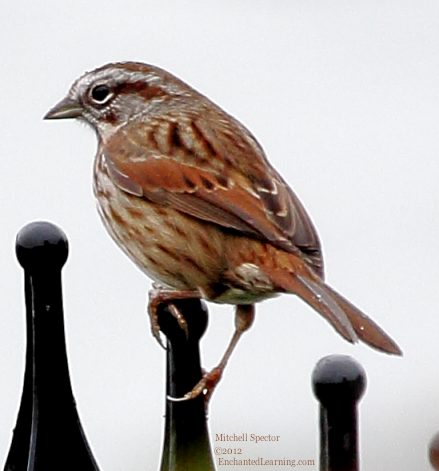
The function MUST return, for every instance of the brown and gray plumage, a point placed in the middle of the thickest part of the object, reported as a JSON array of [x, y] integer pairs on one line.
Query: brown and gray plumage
[[187, 192]]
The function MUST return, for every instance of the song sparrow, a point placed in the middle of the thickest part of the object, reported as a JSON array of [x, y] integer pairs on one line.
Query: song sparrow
[[187, 192]]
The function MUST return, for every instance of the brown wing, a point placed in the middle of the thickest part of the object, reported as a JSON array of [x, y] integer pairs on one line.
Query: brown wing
[[215, 173]]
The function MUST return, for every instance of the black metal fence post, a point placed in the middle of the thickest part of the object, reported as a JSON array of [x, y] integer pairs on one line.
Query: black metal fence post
[[48, 435], [186, 444], [338, 382]]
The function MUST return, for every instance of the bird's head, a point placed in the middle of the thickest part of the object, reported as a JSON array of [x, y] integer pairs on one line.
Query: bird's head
[[115, 94]]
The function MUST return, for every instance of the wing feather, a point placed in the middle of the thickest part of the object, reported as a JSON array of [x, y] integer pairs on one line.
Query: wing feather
[[215, 173]]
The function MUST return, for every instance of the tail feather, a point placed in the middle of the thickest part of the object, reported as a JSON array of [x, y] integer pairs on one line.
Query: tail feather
[[347, 319], [367, 330], [315, 295]]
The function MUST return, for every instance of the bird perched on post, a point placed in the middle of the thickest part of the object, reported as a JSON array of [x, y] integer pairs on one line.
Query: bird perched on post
[[188, 193]]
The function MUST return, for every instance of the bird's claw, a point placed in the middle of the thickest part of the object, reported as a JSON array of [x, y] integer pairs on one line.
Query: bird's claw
[[176, 314], [159, 295], [155, 329]]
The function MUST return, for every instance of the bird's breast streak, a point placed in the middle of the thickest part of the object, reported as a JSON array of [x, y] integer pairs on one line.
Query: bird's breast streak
[[160, 240]]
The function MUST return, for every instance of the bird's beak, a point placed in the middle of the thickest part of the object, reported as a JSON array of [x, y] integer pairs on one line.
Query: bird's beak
[[66, 108]]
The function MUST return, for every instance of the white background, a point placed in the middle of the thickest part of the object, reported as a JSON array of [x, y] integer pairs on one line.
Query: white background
[[343, 96]]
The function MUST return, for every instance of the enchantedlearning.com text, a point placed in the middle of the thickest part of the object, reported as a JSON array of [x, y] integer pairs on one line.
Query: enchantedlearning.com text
[[264, 462]]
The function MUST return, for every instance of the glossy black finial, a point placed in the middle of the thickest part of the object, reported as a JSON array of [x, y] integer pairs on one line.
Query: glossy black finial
[[40, 245], [338, 381], [48, 434]]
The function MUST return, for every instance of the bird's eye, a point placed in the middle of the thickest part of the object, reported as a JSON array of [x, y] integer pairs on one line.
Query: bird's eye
[[100, 94]]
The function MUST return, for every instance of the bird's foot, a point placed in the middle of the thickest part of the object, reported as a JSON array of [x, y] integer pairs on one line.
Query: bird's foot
[[243, 320], [205, 386], [157, 295]]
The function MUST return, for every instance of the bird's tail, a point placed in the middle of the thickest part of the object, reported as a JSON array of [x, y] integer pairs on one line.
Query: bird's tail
[[347, 319]]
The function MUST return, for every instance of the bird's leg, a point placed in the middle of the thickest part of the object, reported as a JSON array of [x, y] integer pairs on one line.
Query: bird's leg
[[243, 320], [157, 295]]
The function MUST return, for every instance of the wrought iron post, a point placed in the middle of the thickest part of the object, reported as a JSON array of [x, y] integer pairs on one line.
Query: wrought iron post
[[186, 444], [48, 435], [338, 382]]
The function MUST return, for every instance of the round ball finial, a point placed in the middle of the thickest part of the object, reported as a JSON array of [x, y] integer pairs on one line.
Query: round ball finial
[[41, 245], [338, 379]]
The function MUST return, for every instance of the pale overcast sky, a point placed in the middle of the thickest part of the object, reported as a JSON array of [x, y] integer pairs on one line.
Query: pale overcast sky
[[343, 96]]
